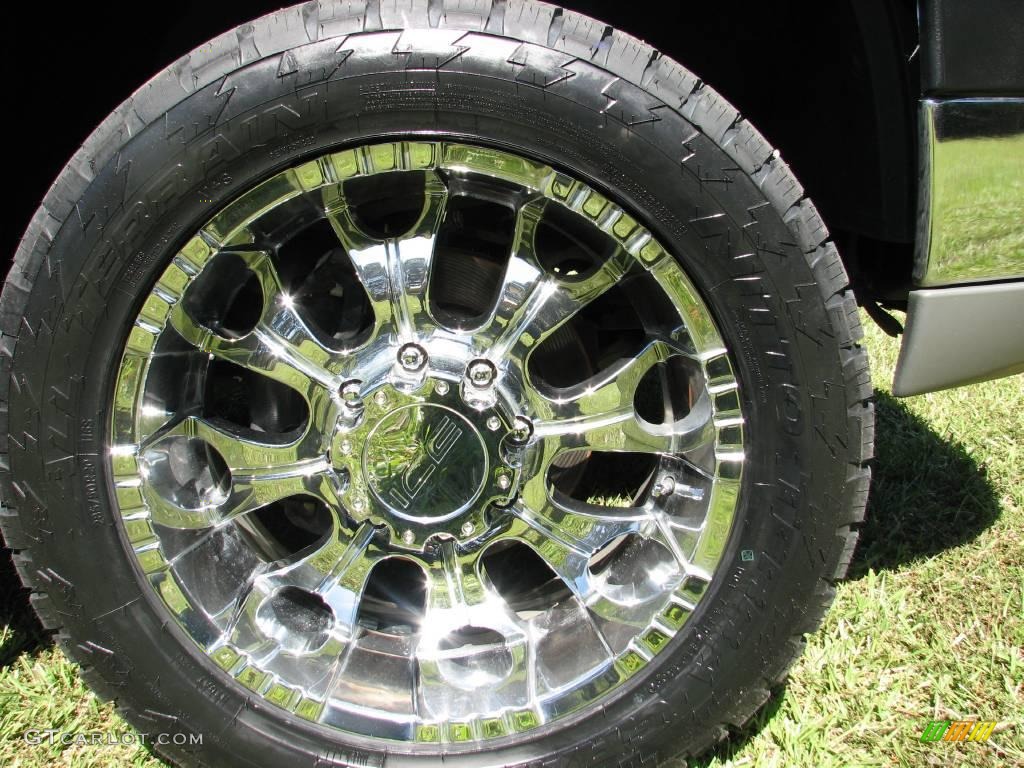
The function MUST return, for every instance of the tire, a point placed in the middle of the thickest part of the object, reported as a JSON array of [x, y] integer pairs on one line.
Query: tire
[[521, 79]]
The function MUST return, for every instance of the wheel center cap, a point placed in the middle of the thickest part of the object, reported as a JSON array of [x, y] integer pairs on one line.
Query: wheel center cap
[[425, 462]]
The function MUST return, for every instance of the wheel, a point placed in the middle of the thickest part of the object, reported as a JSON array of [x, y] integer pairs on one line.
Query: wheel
[[388, 381]]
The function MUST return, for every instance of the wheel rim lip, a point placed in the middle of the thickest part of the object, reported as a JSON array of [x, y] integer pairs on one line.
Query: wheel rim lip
[[447, 734]]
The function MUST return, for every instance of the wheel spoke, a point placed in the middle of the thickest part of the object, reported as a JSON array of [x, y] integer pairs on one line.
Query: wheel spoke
[[280, 346], [457, 597], [260, 474], [457, 676], [243, 455], [524, 292], [532, 305], [567, 533], [256, 491], [395, 272], [336, 572], [600, 415]]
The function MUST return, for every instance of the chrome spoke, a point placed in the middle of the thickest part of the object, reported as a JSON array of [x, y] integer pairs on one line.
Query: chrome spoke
[[458, 674], [457, 597], [600, 414], [532, 304], [243, 455], [567, 533], [280, 346], [259, 490], [524, 292], [259, 473], [335, 572], [395, 272]]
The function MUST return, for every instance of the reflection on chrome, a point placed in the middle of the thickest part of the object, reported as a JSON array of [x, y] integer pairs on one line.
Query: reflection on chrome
[[272, 476], [972, 155]]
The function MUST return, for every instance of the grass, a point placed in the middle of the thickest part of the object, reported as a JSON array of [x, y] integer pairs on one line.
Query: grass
[[929, 626]]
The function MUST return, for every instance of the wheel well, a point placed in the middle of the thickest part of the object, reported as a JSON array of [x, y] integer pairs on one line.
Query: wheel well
[[834, 86]]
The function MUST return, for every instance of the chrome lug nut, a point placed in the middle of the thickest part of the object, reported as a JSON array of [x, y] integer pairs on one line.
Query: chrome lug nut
[[345, 447], [468, 528], [504, 482], [441, 388], [494, 423], [353, 407], [664, 487], [351, 393], [408, 537], [516, 442], [412, 358], [522, 430], [481, 373], [358, 505], [477, 387], [381, 398]]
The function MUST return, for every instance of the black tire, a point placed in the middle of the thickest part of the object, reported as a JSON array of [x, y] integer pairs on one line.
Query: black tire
[[578, 94]]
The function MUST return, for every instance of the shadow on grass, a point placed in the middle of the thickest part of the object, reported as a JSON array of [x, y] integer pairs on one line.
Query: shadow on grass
[[20, 630], [928, 493]]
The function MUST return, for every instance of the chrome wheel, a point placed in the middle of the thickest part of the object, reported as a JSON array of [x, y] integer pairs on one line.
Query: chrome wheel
[[368, 427]]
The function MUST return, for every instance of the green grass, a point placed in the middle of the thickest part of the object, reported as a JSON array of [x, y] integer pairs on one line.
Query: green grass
[[930, 625]]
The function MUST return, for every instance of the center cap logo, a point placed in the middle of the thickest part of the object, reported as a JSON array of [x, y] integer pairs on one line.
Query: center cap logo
[[425, 462]]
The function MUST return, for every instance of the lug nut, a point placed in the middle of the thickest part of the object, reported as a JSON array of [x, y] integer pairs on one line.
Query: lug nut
[[358, 505], [522, 429], [345, 447], [494, 423], [353, 407], [351, 393], [664, 487], [408, 537], [481, 373], [468, 528], [412, 357], [441, 388], [381, 398], [504, 482]]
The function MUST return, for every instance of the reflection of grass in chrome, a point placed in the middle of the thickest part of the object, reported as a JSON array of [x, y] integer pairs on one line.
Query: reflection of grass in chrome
[[611, 501], [983, 207]]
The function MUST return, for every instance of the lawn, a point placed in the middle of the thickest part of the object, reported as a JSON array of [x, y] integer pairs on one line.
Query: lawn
[[930, 624]]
